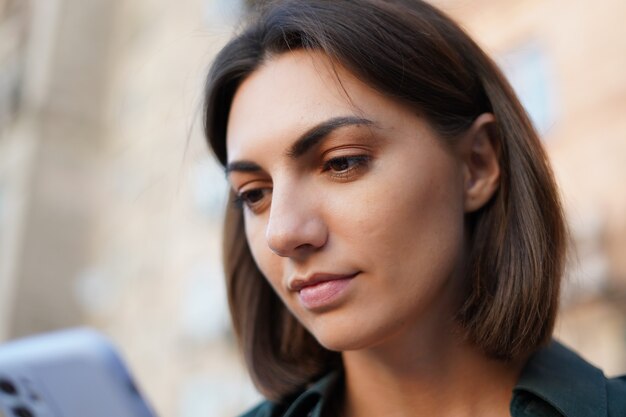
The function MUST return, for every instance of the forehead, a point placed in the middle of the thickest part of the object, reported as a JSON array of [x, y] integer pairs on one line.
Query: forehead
[[290, 93]]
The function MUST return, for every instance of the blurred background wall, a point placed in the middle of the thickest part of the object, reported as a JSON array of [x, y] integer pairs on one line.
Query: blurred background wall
[[110, 204]]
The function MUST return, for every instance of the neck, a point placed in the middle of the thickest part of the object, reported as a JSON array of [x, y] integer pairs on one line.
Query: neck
[[409, 376]]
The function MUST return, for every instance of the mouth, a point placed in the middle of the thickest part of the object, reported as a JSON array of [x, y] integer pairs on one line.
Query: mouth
[[321, 290], [298, 284]]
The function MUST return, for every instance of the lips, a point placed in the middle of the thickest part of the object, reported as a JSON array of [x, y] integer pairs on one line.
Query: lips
[[321, 290]]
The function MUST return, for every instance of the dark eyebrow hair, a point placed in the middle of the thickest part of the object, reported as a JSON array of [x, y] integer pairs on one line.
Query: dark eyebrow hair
[[242, 166], [317, 133], [305, 142]]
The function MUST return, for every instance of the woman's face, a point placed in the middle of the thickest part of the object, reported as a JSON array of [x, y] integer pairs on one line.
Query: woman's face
[[353, 205]]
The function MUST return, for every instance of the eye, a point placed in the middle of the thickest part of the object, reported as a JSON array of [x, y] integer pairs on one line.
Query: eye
[[345, 166], [252, 198]]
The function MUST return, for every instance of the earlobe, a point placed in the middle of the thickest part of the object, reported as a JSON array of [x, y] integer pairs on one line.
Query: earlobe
[[481, 162]]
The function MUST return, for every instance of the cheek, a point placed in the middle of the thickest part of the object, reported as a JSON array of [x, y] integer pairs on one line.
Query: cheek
[[420, 216], [271, 265], [261, 253]]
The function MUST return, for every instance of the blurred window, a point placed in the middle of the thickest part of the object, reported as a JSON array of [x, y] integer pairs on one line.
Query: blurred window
[[219, 12], [13, 23], [528, 69], [209, 188], [204, 311], [1, 218]]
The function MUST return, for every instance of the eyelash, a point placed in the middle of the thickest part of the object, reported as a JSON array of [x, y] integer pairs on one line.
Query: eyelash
[[355, 164], [244, 197]]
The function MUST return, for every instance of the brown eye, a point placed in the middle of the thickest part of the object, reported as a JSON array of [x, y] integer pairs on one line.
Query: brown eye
[[345, 164], [251, 198], [339, 164]]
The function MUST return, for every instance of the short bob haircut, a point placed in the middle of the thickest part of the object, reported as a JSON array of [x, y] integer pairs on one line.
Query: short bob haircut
[[415, 54]]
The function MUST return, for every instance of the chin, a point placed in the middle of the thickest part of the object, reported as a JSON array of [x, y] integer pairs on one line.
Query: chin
[[345, 336], [342, 344]]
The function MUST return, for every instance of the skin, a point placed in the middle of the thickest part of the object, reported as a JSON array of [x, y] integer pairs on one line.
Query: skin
[[377, 194]]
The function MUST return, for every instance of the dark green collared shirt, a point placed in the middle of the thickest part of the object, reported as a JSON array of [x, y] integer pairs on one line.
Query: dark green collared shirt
[[555, 382]]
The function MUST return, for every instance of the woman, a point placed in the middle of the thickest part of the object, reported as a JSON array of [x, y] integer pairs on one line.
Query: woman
[[395, 242]]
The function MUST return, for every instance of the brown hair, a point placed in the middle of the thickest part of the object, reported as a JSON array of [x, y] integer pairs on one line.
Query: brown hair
[[412, 52]]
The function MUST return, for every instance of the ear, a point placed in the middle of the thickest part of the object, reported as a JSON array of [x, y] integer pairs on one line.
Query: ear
[[480, 152]]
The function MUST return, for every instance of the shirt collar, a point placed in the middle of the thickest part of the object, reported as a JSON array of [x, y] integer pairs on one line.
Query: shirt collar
[[312, 401], [565, 381], [555, 374]]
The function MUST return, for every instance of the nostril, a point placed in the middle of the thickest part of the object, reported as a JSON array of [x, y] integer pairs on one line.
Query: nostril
[[281, 245], [294, 227], [297, 244]]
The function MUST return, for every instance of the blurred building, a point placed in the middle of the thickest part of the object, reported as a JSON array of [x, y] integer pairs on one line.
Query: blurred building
[[110, 205]]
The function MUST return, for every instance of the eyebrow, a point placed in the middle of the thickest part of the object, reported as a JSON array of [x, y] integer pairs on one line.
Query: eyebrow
[[242, 166], [307, 141], [319, 132]]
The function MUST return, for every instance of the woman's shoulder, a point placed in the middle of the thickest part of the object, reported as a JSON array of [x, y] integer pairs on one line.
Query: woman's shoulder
[[558, 382], [616, 396]]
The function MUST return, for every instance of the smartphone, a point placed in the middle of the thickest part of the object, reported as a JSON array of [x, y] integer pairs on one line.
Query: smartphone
[[70, 373]]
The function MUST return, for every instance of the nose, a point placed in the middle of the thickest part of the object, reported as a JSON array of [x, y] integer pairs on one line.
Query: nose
[[295, 227]]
